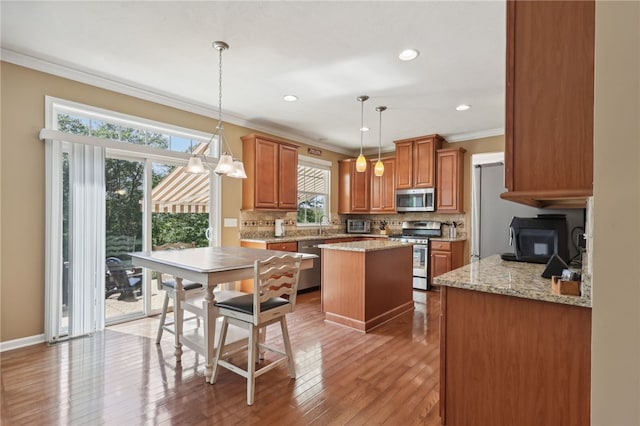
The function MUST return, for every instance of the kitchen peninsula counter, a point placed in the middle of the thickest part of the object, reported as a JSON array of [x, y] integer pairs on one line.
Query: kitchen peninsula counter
[[366, 283], [519, 279], [511, 351]]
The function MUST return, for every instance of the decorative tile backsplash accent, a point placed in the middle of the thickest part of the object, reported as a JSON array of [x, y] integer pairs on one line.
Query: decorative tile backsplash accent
[[262, 224]]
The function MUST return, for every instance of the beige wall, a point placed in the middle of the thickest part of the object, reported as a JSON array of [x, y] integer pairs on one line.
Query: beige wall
[[474, 146], [615, 352], [22, 195]]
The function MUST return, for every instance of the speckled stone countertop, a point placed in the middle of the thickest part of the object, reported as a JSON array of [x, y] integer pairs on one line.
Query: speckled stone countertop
[[288, 239], [365, 246], [519, 279], [291, 238]]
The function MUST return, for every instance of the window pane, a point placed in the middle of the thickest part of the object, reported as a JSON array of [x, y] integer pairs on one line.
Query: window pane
[[313, 193]]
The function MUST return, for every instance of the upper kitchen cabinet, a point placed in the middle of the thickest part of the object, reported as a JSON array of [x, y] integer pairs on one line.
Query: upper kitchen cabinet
[[354, 188], [549, 103], [383, 195], [415, 161], [450, 179], [271, 165]]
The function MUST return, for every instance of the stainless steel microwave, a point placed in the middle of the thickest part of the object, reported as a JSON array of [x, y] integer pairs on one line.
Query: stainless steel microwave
[[358, 226], [416, 200]]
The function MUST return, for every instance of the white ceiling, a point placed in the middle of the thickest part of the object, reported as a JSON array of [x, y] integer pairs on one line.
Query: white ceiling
[[326, 53]]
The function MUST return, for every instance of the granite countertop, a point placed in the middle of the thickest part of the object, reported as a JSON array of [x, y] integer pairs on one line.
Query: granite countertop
[[292, 238], [365, 246], [519, 279]]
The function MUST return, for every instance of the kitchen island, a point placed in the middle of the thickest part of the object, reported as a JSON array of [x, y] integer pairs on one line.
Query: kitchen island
[[366, 283], [511, 352]]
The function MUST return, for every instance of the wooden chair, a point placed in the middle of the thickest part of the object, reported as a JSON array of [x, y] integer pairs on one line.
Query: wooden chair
[[274, 279], [168, 284]]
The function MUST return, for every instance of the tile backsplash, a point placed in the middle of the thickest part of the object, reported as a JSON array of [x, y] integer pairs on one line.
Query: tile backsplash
[[255, 224]]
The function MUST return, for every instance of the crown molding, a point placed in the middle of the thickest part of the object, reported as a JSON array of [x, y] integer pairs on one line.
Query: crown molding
[[461, 137], [135, 90]]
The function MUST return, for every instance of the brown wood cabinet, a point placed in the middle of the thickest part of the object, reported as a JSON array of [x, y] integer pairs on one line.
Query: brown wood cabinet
[[549, 102], [354, 188], [383, 191], [271, 165], [415, 161], [445, 256], [450, 180], [508, 360]]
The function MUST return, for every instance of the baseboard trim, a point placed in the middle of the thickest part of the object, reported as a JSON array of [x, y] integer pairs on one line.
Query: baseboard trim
[[21, 343]]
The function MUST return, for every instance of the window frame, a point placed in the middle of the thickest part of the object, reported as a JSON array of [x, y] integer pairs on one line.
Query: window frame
[[325, 166]]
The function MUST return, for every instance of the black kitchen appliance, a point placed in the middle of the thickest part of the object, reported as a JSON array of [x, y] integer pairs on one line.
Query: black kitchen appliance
[[536, 239]]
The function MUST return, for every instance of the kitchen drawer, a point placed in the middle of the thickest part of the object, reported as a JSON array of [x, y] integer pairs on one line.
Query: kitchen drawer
[[441, 245], [289, 246]]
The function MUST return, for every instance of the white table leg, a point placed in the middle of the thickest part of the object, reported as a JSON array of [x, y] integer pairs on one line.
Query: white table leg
[[210, 315], [178, 316]]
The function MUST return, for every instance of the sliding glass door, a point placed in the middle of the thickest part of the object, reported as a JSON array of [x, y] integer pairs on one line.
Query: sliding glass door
[[124, 284]]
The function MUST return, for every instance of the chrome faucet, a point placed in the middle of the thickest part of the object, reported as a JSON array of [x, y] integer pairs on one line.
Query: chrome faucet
[[322, 222]]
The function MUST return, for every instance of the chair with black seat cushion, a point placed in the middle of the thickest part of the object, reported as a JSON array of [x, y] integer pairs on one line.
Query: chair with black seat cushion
[[168, 284], [274, 296]]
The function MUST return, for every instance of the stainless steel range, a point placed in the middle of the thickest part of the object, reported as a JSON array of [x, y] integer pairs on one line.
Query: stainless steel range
[[418, 233]]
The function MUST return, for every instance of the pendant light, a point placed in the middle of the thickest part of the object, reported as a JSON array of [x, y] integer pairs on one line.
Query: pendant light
[[226, 165], [361, 162], [379, 168]]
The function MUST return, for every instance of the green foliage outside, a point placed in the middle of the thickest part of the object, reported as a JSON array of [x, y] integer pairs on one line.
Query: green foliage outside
[[124, 193]]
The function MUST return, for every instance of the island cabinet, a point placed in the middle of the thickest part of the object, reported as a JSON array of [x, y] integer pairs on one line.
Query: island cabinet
[[354, 188], [549, 102], [383, 194], [445, 256], [271, 165], [366, 283], [415, 161], [450, 180]]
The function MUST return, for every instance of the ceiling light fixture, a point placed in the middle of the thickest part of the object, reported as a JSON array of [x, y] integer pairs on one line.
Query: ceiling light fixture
[[290, 98], [361, 162], [408, 55], [379, 167], [226, 166], [463, 107]]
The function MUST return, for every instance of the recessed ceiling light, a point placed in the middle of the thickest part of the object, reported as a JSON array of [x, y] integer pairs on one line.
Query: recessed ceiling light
[[290, 98], [463, 107], [408, 55], [364, 129]]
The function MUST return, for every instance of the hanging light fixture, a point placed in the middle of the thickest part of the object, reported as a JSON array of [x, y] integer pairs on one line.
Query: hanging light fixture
[[379, 168], [226, 165], [361, 162]]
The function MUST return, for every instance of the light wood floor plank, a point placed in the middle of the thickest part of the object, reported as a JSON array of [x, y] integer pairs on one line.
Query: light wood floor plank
[[120, 376]]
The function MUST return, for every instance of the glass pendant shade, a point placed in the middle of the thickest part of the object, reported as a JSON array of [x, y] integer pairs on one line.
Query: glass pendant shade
[[225, 165], [238, 170], [379, 168], [361, 163], [195, 166]]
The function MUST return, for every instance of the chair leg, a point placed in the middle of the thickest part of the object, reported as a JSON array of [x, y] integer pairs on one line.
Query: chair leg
[[221, 342], [287, 347], [262, 337], [251, 364], [163, 317]]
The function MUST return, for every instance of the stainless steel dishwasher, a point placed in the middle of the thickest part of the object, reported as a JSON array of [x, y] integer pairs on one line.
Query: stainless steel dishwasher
[[311, 278]]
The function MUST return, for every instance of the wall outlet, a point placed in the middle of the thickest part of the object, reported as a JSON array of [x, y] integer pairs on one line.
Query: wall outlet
[[230, 222]]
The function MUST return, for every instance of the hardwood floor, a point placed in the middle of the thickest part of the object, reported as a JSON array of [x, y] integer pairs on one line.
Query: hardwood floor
[[120, 376]]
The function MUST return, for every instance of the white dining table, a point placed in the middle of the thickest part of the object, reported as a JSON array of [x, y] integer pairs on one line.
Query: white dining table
[[210, 266]]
